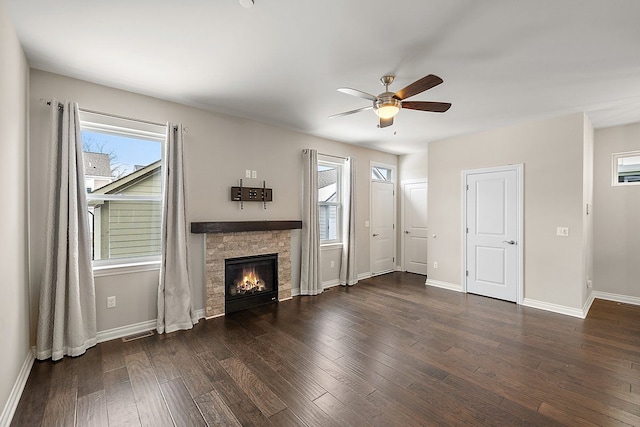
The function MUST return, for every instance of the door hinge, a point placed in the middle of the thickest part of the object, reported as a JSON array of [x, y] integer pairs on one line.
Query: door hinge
[[467, 187], [394, 259], [467, 230], [394, 226], [467, 273]]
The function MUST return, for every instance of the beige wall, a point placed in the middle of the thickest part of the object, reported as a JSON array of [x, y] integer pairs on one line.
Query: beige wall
[[552, 152], [218, 150], [14, 307], [413, 166], [615, 214]]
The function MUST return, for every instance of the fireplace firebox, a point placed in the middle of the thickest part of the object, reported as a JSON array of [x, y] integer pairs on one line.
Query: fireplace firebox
[[250, 281]]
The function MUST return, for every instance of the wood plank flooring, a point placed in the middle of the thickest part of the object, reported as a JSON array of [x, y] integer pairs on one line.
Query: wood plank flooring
[[388, 352]]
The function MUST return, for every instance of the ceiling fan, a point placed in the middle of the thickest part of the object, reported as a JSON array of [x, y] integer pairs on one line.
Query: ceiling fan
[[387, 104]]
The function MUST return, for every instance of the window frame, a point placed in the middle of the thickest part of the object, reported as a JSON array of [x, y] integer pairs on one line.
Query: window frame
[[333, 162], [111, 125], [614, 168]]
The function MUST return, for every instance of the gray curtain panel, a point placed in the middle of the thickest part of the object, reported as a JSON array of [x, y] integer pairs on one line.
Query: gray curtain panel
[[175, 309], [310, 283], [67, 310], [348, 268]]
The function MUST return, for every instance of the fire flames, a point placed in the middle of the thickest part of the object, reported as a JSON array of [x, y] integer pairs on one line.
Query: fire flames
[[250, 283]]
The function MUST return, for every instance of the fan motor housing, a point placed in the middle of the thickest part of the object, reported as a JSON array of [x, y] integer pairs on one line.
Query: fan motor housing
[[386, 99]]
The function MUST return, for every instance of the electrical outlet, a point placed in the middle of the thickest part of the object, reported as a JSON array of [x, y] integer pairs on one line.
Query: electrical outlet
[[111, 302], [254, 174], [562, 231], [435, 264], [589, 284], [247, 173], [333, 264]]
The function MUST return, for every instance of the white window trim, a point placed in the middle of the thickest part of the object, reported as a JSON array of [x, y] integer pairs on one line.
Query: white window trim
[[126, 267], [331, 161], [112, 125], [614, 168]]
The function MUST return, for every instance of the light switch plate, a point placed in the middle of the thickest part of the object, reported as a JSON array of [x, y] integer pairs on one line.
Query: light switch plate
[[563, 231]]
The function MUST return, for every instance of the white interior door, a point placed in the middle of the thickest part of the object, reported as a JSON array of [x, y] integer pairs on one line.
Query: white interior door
[[415, 227], [492, 233], [382, 227]]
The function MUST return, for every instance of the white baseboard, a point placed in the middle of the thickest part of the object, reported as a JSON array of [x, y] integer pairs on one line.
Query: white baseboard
[[443, 285], [616, 297], [136, 328], [362, 276], [399, 268], [16, 392], [555, 308], [587, 304], [124, 331], [330, 284], [569, 311]]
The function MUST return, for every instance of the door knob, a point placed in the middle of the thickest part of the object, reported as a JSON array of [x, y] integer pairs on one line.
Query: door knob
[[375, 234], [406, 232], [510, 242]]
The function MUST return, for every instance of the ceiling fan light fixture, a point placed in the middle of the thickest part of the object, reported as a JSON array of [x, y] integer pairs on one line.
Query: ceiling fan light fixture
[[246, 3], [387, 108]]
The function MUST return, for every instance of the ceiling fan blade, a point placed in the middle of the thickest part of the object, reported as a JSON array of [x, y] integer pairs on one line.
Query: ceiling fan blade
[[385, 122], [358, 93], [427, 82], [346, 113], [436, 107]]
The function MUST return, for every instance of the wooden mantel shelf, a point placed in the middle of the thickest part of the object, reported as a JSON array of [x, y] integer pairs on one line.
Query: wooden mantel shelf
[[239, 226]]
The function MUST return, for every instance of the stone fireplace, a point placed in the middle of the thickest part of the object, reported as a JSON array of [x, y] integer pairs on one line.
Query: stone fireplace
[[240, 239]]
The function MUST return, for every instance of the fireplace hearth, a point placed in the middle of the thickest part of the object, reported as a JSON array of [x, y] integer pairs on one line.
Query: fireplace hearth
[[250, 281]]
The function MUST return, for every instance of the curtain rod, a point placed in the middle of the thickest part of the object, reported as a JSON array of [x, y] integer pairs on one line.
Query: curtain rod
[[84, 110]]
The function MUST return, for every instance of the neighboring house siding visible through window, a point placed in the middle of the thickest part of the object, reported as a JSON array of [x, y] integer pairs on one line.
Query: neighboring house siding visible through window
[[329, 200], [124, 183]]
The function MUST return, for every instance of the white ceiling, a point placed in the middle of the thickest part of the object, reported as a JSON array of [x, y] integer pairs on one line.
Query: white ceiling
[[280, 62]]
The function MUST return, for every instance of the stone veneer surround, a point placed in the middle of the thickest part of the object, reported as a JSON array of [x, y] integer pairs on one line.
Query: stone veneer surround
[[220, 246]]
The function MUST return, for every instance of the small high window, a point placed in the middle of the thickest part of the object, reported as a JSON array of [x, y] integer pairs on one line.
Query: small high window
[[379, 173], [626, 168]]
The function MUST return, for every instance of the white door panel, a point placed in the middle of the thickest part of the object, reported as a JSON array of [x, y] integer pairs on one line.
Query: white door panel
[[382, 227], [415, 227], [492, 233]]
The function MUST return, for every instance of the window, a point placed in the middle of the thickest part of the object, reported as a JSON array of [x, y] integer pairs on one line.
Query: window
[[122, 161], [329, 200], [626, 168], [379, 173]]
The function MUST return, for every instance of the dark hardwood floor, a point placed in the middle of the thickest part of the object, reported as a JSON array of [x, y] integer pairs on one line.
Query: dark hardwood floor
[[386, 352]]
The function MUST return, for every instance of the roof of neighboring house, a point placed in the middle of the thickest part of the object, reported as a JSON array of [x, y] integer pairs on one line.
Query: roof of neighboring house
[[129, 180], [327, 177], [97, 164]]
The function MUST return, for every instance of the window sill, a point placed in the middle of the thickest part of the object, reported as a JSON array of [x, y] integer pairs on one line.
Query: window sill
[[331, 246], [125, 268]]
